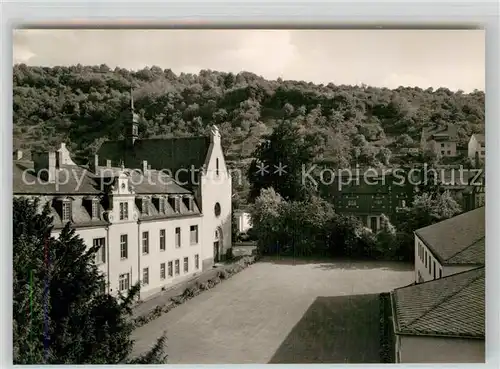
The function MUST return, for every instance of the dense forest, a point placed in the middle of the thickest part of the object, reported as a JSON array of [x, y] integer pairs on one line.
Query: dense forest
[[84, 105]]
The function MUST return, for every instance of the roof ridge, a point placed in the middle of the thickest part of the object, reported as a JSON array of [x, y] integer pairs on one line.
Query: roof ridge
[[446, 298], [440, 279], [466, 248]]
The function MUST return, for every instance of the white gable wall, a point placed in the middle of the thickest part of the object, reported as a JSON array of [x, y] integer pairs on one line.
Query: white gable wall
[[215, 188]]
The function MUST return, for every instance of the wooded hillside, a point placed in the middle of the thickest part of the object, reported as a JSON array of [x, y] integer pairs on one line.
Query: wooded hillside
[[84, 105]]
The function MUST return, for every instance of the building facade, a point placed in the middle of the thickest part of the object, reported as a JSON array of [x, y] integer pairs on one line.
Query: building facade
[[440, 140], [451, 246], [368, 195], [152, 226], [476, 147]]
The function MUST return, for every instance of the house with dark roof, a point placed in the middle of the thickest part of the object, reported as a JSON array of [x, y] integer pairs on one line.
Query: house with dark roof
[[442, 320], [476, 147], [440, 140], [159, 209], [450, 246]]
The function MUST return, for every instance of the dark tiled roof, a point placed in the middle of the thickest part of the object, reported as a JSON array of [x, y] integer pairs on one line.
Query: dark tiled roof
[[162, 154], [457, 240], [450, 306], [30, 184], [448, 133], [155, 182]]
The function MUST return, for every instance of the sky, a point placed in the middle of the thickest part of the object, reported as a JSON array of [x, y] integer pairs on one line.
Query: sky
[[383, 58]]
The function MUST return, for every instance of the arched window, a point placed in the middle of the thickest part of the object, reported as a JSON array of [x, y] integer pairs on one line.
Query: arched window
[[217, 166]]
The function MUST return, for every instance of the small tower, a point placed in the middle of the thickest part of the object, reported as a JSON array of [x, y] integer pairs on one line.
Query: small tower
[[133, 130]]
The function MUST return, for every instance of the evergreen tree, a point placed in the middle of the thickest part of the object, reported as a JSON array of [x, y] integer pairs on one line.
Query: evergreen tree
[[60, 314]]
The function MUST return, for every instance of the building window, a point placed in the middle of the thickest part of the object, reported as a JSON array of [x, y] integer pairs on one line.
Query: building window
[[145, 276], [145, 243], [217, 209], [162, 271], [351, 202], [161, 205], [440, 272], [123, 246], [197, 261], [177, 267], [170, 269], [186, 265], [162, 240], [425, 258], [178, 237], [217, 166], [66, 211], [373, 224], [177, 202], [434, 266], [95, 209], [124, 282], [429, 263], [100, 256], [123, 210], [193, 235]]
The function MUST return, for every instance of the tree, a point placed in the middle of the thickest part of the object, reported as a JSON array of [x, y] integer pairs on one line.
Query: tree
[[426, 209], [266, 220], [280, 161], [386, 239], [61, 315]]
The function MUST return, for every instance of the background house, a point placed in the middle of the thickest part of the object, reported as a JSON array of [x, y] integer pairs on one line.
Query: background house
[[369, 194], [476, 147], [440, 140], [243, 221]]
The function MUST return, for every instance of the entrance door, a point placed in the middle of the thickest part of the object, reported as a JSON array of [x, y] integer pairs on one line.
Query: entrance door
[[216, 251]]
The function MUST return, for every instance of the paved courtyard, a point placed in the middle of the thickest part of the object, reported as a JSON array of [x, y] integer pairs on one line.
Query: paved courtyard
[[282, 311]]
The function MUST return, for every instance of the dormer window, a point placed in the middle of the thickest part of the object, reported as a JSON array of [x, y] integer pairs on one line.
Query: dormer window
[[189, 202], [66, 210], [174, 202], [145, 206], [95, 208], [160, 204]]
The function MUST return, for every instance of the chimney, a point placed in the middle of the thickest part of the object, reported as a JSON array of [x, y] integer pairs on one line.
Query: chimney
[[108, 163], [19, 155], [149, 166], [144, 166]]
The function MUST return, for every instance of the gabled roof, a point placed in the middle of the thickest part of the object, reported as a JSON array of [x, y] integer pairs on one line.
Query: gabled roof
[[79, 181], [449, 306], [479, 137], [447, 133], [170, 154], [458, 240]]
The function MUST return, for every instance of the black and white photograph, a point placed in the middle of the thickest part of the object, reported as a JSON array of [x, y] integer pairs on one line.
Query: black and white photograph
[[248, 196]]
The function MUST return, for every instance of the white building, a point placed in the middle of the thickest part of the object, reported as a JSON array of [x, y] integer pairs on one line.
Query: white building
[[160, 209], [476, 146], [243, 221], [451, 246], [441, 318]]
